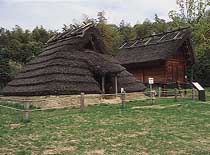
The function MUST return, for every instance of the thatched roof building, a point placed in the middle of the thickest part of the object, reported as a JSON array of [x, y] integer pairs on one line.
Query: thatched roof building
[[72, 62], [163, 56]]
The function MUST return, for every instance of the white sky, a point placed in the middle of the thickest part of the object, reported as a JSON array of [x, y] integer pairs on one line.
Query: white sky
[[52, 14]]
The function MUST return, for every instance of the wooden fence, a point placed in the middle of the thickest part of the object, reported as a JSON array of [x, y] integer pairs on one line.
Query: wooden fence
[[153, 95]]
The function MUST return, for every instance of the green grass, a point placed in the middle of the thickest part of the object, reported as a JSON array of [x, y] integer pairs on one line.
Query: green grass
[[108, 129], [17, 105]]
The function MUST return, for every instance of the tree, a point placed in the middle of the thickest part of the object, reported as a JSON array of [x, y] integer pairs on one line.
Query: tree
[[202, 68], [18, 47], [4, 68], [117, 39], [106, 31], [39, 34], [160, 25], [126, 31], [196, 15], [101, 17], [148, 28], [191, 11]]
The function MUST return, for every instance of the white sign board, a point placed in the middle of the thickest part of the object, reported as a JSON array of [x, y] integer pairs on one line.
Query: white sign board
[[151, 80], [122, 90], [197, 86]]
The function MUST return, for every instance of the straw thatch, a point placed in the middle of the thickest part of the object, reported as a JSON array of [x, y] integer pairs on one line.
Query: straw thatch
[[68, 65], [127, 81], [156, 47]]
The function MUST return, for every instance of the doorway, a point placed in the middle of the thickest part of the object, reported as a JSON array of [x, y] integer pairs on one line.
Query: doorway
[[109, 85]]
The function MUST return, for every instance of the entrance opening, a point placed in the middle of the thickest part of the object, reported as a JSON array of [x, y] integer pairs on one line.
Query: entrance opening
[[98, 78], [109, 86]]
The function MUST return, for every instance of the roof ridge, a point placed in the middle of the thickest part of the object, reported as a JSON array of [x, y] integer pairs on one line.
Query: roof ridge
[[161, 33], [151, 44], [156, 39], [71, 33]]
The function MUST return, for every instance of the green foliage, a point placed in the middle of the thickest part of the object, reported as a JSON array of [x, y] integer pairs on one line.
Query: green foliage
[[41, 35], [202, 68], [4, 67], [191, 11], [106, 32], [112, 37], [19, 46], [126, 31], [117, 39], [144, 29], [148, 28], [17, 105], [196, 15]]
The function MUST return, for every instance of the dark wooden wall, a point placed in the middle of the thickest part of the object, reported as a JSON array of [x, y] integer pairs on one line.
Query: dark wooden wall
[[170, 70], [175, 71], [143, 73]]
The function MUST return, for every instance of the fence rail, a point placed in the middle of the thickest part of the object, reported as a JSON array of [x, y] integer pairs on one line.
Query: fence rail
[[153, 94]]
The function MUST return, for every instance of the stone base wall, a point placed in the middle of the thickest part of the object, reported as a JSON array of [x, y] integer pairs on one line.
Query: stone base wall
[[72, 100]]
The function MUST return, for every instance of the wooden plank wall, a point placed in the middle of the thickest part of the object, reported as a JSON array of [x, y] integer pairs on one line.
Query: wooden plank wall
[[157, 72], [175, 71], [172, 70]]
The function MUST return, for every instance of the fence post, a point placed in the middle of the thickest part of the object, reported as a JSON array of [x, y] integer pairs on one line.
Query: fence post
[[153, 96], [26, 112], [159, 92], [175, 97], [82, 102], [123, 99], [193, 94]]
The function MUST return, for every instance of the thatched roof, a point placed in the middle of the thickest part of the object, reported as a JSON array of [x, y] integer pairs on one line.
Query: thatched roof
[[127, 81], [68, 65], [156, 47]]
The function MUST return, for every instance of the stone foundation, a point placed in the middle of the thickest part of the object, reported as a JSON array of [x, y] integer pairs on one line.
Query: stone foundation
[[72, 100]]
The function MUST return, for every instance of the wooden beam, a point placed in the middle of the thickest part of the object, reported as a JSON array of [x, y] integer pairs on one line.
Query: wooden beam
[[26, 112], [82, 102], [123, 45], [134, 43], [176, 35], [103, 84], [162, 37], [116, 88], [148, 41]]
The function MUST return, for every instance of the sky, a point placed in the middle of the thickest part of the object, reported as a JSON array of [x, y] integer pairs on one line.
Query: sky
[[52, 14]]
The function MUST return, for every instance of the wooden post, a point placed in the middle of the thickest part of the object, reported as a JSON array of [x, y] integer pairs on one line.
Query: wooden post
[[123, 98], [164, 90], [185, 90], [116, 88], [159, 91], [26, 112], [193, 94], [151, 93], [181, 92], [82, 102], [175, 97], [193, 91], [150, 86], [103, 84]]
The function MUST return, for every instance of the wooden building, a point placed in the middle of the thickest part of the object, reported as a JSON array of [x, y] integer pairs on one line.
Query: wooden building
[[163, 57]]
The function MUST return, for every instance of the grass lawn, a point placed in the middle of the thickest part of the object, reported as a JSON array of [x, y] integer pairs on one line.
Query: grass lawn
[[168, 127]]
